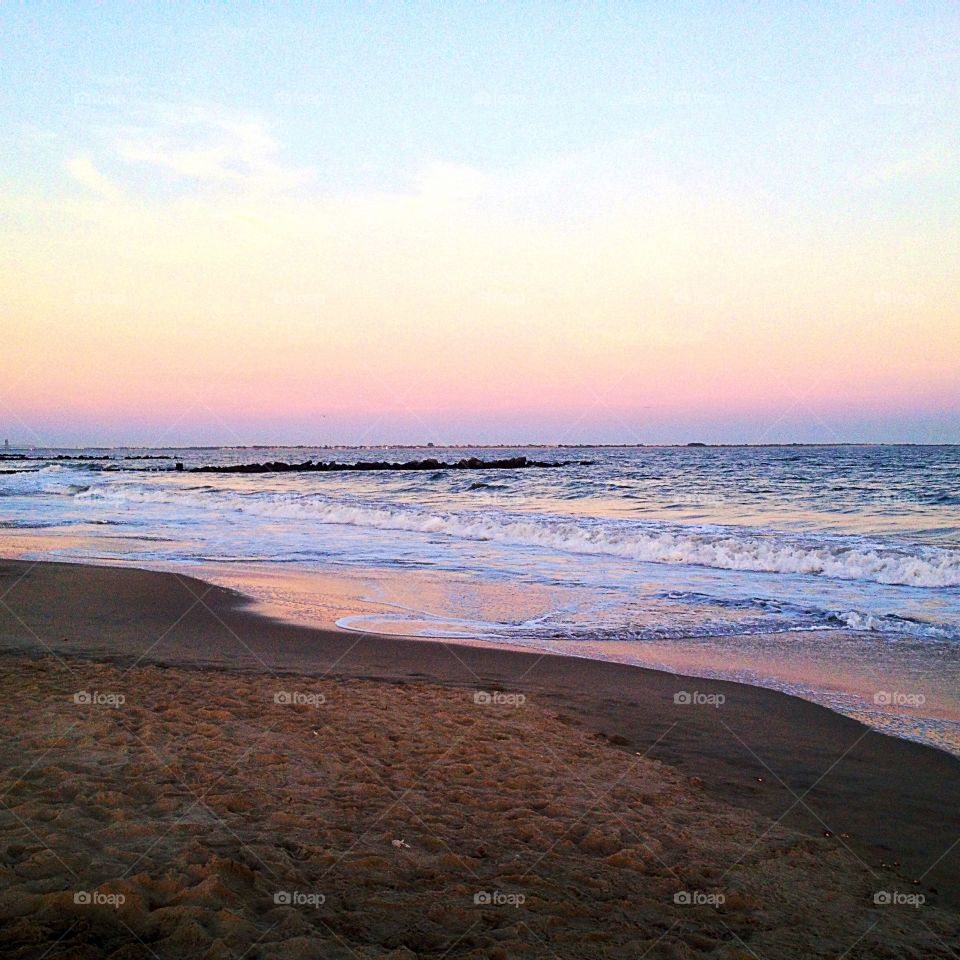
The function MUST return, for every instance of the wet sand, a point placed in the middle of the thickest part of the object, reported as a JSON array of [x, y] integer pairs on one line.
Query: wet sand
[[597, 799]]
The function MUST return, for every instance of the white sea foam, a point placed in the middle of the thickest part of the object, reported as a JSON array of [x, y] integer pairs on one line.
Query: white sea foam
[[725, 548], [52, 479]]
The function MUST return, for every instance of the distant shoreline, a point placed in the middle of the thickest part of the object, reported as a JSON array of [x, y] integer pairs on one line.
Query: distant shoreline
[[690, 445]]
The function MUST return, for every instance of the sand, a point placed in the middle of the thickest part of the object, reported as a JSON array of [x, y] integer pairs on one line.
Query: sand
[[364, 808]]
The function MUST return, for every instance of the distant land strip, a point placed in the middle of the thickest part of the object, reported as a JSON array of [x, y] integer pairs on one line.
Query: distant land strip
[[84, 456]]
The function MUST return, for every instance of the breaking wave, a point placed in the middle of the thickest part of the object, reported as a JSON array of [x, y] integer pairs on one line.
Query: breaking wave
[[727, 548], [52, 479]]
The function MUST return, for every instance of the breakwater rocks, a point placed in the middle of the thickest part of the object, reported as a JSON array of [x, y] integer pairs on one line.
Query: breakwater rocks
[[469, 463]]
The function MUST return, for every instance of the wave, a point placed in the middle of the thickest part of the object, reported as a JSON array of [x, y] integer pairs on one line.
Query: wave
[[65, 481], [795, 616], [725, 548]]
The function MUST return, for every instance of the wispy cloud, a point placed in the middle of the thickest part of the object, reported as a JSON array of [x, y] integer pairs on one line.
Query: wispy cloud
[[81, 168], [211, 147]]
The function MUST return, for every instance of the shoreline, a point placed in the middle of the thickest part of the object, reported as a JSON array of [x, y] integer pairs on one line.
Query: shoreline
[[360, 602], [810, 769]]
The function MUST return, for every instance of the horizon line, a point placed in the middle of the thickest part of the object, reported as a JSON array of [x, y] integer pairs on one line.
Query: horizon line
[[695, 444]]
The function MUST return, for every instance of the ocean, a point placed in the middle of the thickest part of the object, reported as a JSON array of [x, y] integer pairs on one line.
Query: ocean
[[832, 573]]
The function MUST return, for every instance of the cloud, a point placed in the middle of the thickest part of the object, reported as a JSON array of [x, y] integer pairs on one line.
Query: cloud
[[921, 165], [211, 147], [82, 169], [452, 181]]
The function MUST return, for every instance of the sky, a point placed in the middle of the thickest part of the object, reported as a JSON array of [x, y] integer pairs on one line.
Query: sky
[[464, 222]]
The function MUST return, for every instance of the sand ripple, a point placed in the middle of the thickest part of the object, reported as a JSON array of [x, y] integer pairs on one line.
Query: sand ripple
[[189, 813]]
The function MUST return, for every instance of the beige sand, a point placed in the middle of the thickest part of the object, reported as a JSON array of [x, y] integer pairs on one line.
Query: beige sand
[[385, 814]]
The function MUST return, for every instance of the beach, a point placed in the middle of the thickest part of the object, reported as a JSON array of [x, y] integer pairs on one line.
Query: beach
[[185, 777], [480, 482], [830, 573]]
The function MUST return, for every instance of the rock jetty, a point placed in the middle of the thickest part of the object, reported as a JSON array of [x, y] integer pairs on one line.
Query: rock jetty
[[468, 463]]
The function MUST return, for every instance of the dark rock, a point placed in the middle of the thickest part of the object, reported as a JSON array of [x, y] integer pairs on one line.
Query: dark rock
[[468, 463]]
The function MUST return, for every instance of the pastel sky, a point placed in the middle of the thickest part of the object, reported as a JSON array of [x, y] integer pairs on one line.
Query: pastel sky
[[355, 222]]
